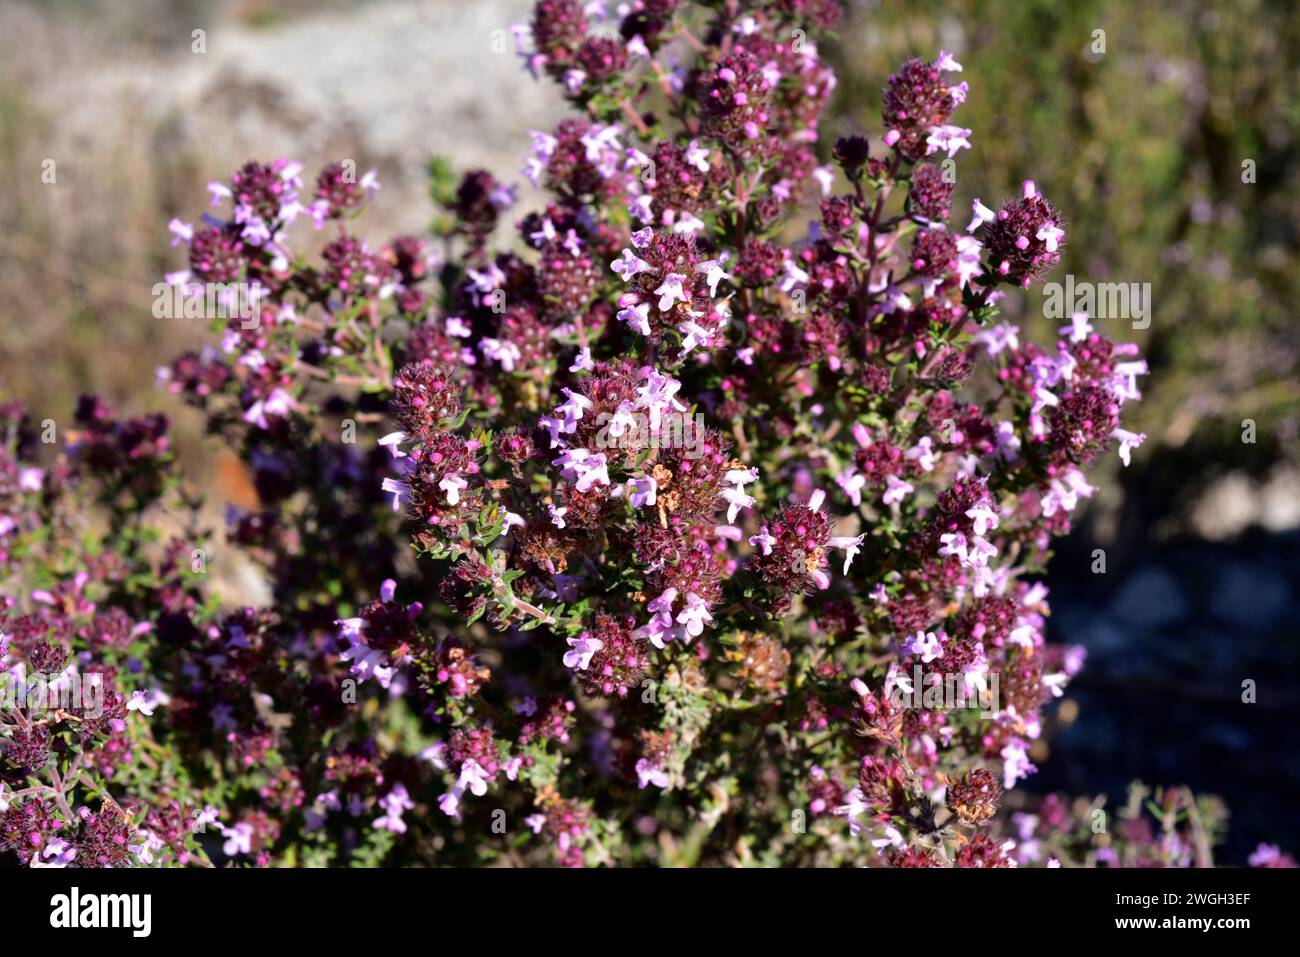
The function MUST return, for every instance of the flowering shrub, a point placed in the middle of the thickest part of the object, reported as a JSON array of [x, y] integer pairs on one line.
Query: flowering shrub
[[670, 534]]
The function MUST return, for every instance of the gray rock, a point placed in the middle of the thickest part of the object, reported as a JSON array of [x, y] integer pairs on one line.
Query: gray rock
[[1150, 598], [1250, 596]]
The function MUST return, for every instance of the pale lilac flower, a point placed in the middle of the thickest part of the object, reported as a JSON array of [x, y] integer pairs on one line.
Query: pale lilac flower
[[449, 803], [999, 338], [582, 649], [219, 192], [950, 139], [239, 839], [696, 335], [277, 405], [58, 853], [979, 551], [637, 317], [657, 395], [947, 63], [897, 490], [573, 80], [146, 701], [697, 156], [851, 545], [366, 662], [893, 837], [1064, 492], [825, 177], [641, 208], [714, 273], [922, 453], [394, 804], [658, 630], [968, 259], [794, 276], [1079, 327], [435, 754], [670, 291], [473, 778], [1127, 442], [1124, 383], [648, 773], [763, 540], [545, 234], [629, 265], [641, 491], [852, 482], [201, 819], [453, 485], [982, 215], [736, 500], [392, 441], [505, 353], [181, 231], [954, 544], [583, 468], [694, 615], [1016, 764], [623, 419], [572, 410], [982, 517], [401, 491], [854, 810], [687, 225], [1265, 855], [927, 645], [1050, 236]]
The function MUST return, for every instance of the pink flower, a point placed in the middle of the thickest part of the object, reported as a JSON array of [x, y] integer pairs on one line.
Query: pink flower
[[582, 649]]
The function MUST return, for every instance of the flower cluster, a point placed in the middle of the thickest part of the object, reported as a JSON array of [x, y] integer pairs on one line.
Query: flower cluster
[[596, 518]]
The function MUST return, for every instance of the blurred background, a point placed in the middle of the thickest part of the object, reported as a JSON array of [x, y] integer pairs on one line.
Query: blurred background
[[1140, 142]]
